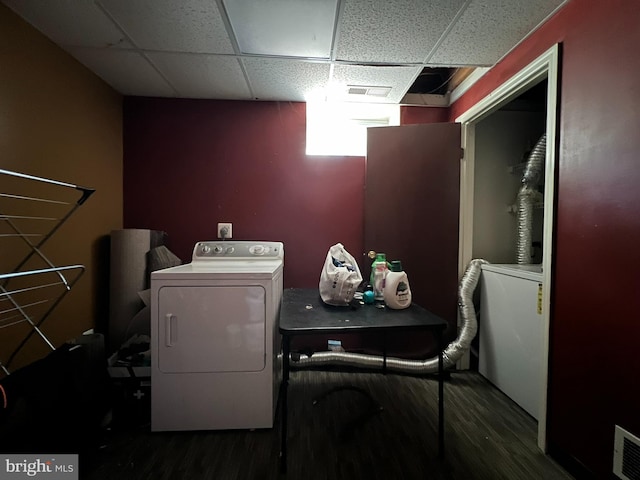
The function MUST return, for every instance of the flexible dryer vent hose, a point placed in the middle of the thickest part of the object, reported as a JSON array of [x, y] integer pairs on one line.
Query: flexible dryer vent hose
[[452, 353], [528, 196]]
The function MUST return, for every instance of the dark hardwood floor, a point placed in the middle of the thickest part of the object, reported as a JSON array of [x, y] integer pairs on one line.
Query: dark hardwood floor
[[487, 436]]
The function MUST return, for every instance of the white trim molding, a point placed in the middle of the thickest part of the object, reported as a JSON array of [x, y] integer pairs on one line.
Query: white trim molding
[[546, 66]]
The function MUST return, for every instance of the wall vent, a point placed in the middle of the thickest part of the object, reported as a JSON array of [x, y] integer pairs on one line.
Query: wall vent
[[368, 90], [626, 455]]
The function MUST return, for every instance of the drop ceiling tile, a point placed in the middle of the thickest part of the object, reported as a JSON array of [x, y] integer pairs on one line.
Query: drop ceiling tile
[[203, 76], [285, 79], [398, 78], [169, 25], [480, 38], [394, 31], [126, 71], [301, 28], [70, 23]]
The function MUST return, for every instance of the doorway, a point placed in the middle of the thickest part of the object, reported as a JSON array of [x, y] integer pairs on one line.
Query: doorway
[[540, 75]]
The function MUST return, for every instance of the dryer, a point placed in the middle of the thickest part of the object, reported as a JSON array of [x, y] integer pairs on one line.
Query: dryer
[[214, 338]]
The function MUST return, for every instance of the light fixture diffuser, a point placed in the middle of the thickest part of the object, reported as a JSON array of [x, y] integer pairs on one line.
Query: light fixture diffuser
[[286, 28]]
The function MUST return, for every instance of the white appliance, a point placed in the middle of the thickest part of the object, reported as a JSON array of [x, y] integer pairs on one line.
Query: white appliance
[[214, 338], [510, 331]]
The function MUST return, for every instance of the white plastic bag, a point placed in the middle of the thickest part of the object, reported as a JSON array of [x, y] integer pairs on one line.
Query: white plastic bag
[[340, 277]]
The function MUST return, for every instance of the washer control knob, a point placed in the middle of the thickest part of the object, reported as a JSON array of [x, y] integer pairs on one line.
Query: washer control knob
[[217, 249], [206, 249], [257, 249], [229, 250]]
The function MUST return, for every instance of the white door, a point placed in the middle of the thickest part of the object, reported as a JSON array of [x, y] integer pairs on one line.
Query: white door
[[211, 329]]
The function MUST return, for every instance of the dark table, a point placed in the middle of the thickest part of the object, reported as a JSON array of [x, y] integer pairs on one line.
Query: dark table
[[304, 313]]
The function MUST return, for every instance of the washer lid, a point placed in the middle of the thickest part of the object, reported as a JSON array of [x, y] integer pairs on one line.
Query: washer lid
[[243, 268], [529, 272]]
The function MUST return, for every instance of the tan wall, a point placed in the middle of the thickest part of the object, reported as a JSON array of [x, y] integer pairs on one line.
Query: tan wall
[[59, 121]]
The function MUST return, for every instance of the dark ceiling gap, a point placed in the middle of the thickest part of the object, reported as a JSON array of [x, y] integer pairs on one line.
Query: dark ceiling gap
[[433, 81]]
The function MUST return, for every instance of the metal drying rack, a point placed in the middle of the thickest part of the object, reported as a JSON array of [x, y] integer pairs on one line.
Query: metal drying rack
[[28, 295]]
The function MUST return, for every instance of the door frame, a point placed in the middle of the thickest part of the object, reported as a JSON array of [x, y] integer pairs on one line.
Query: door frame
[[546, 66]]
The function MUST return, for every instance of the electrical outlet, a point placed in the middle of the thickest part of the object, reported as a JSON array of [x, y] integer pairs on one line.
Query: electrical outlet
[[224, 230]]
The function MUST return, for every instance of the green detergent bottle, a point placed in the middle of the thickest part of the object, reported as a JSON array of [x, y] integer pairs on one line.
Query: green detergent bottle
[[379, 270]]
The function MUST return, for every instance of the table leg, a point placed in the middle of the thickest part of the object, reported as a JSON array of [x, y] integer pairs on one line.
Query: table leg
[[440, 396], [283, 396]]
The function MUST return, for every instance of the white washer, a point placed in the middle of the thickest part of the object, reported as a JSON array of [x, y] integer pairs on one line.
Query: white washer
[[510, 335], [214, 338]]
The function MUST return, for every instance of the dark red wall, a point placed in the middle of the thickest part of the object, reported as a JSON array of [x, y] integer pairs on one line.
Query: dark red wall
[[189, 164], [411, 115], [594, 364]]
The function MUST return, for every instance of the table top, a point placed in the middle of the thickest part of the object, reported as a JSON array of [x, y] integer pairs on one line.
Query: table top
[[304, 312]]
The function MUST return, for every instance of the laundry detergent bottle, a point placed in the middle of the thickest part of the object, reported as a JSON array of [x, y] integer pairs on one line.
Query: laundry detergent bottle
[[379, 270], [397, 293]]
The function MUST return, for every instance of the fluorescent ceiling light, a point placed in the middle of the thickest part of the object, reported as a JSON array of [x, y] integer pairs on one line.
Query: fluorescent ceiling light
[[300, 28]]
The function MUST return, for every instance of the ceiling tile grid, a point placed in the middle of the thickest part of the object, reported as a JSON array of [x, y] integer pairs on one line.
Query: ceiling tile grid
[[203, 76], [280, 49], [398, 78], [280, 79], [397, 31], [194, 26], [125, 70], [71, 23], [486, 31]]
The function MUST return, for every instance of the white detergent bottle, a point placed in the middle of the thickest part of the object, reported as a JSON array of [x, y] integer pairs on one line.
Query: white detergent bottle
[[397, 294]]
